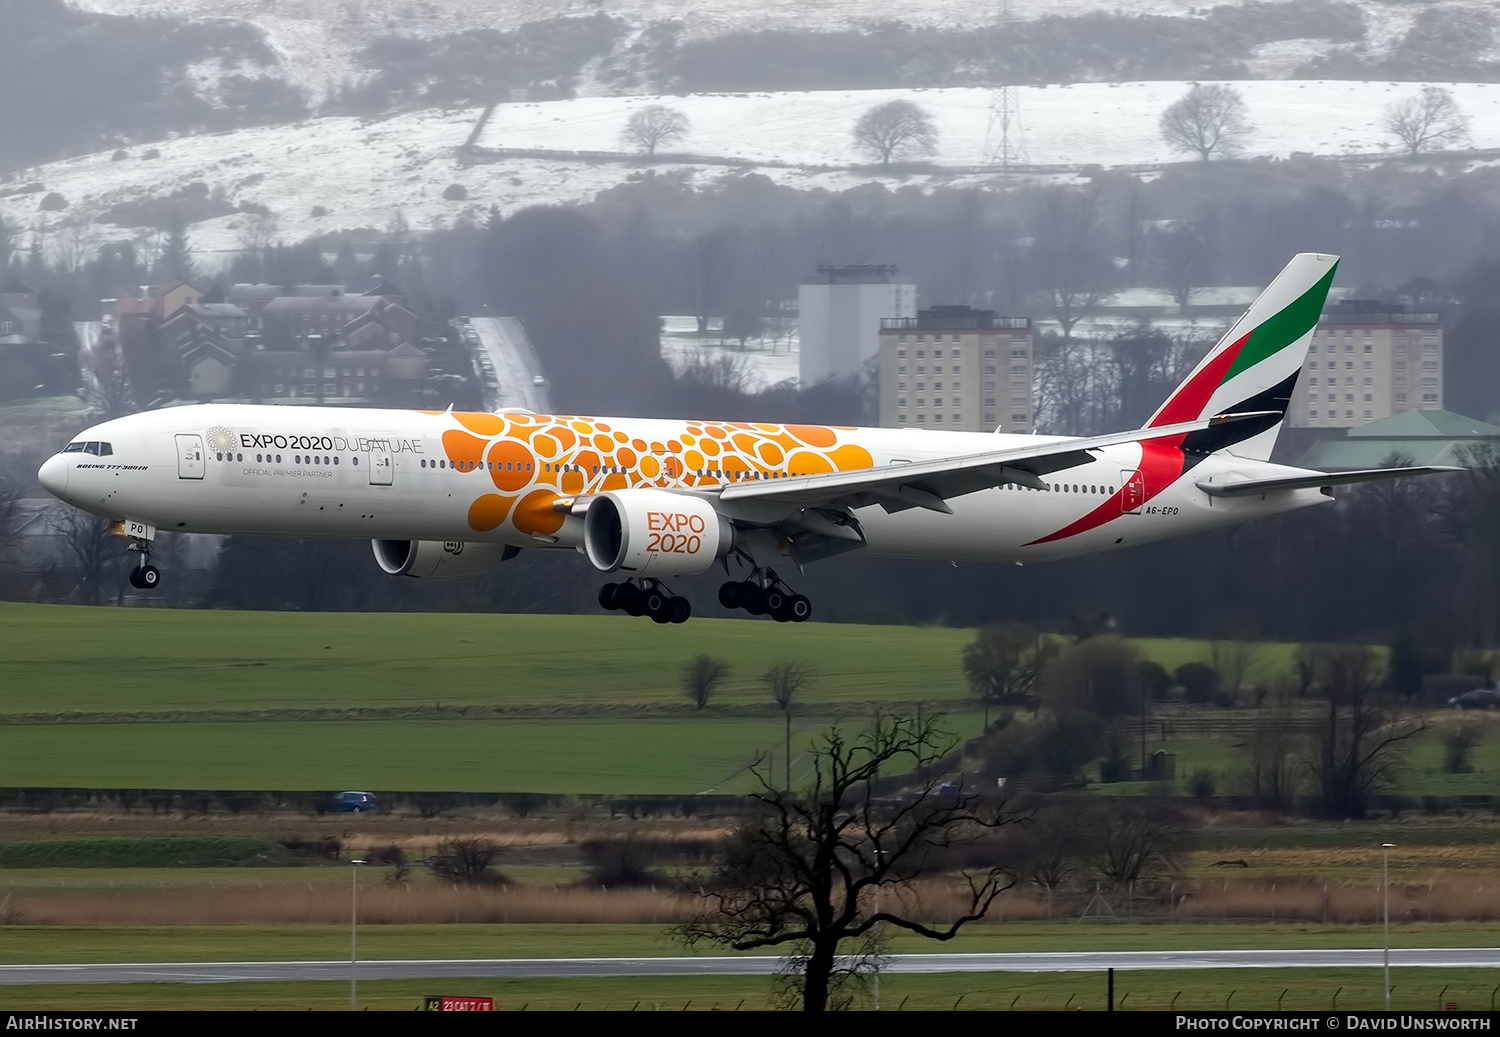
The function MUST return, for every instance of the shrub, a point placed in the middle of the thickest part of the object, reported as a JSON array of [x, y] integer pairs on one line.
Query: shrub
[[455, 192], [1200, 682], [1203, 783], [53, 202]]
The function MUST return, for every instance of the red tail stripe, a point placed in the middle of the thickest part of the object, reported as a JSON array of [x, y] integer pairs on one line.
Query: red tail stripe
[[1188, 402], [1161, 466]]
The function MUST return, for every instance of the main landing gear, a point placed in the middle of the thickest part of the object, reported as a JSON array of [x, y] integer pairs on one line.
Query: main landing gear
[[763, 594], [647, 598], [144, 576]]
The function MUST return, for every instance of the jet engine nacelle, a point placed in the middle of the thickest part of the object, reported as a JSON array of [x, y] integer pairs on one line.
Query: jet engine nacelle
[[440, 559], [654, 533]]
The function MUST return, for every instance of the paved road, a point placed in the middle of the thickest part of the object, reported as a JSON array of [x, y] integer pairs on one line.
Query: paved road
[[504, 354], [1069, 961]]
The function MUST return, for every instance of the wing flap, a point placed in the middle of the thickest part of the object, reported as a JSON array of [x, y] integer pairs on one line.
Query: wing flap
[[1317, 480]]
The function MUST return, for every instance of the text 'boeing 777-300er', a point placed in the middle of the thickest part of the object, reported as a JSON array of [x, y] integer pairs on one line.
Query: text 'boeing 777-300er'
[[455, 494]]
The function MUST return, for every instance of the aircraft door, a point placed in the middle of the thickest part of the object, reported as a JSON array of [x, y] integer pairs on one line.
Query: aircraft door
[[382, 468], [671, 465], [190, 457], [1133, 494]]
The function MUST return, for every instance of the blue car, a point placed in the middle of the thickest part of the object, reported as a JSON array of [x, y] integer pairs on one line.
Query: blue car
[[353, 803]]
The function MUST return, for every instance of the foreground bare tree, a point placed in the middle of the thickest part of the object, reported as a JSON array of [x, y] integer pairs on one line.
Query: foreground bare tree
[[1426, 122], [818, 871], [1207, 120], [653, 127], [894, 129]]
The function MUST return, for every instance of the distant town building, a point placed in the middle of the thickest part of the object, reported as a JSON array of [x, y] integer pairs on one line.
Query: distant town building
[[318, 343], [27, 363], [1367, 361], [839, 318], [956, 368]]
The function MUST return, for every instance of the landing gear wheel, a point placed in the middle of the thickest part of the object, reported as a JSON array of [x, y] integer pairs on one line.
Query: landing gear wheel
[[150, 576], [654, 602], [774, 602], [135, 579], [609, 596], [679, 609], [729, 594], [799, 608], [752, 599], [628, 599]]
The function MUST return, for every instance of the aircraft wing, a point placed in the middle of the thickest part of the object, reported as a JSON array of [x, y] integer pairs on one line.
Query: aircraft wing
[[1254, 487], [929, 484]]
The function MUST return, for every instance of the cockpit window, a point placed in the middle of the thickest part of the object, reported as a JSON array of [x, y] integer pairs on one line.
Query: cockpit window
[[105, 450], [94, 447], [75, 448], [91, 448]]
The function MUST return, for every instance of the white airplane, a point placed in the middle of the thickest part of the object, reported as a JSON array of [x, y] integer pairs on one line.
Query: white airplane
[[444, 493]]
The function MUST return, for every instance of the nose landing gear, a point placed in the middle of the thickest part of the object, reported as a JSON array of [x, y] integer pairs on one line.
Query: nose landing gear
[[763, 594], [144, 576], [647, 598]]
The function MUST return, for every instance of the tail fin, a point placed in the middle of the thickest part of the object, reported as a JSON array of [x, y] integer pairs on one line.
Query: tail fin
[[1255, 365]]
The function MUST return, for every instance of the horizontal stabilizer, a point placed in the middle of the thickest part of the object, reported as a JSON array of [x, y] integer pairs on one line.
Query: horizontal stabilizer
[[1252, 487]]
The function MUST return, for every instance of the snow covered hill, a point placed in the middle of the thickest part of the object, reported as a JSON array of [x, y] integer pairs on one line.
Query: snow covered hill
[[319, 40], [344, 173]]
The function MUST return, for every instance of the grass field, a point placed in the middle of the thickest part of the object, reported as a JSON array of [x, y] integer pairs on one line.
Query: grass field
[[1240, 989], [66, 658], [616, 757]]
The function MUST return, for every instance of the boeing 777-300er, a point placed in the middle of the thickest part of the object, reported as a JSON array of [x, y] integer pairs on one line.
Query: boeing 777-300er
[[446, 493]]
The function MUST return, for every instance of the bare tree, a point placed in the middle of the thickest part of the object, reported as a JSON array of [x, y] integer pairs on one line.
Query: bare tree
[[106, 379], [701, 677], [894, 129], [1135, 839], [1069, 257], [785, 681], [818, 871], [97, 556], [1207, 121], [650, 128], [1426, 122], [1272, 751], [1358, 743], [1235, 659], [468, 861], [1051, 847]]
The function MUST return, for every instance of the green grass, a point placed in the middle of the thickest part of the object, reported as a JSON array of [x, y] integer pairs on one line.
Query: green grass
[[620, 757], [1240, 989], [69, 658]]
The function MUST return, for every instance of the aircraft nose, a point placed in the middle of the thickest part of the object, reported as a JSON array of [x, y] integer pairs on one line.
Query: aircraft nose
[[53, 475]]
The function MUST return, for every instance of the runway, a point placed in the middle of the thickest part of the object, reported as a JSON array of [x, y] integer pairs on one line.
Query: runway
[[528, 968]]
